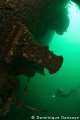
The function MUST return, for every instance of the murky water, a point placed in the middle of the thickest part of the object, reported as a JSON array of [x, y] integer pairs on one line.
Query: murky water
[[41, 90]]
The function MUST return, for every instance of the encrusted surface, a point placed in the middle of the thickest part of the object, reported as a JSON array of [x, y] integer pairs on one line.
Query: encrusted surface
[[38, 15], [20, 42]]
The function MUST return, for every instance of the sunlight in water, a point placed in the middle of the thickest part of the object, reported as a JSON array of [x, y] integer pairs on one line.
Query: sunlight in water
[[73, 8], [74, 27]]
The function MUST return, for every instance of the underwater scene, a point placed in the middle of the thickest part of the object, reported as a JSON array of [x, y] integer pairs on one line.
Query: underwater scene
[[40, 60]]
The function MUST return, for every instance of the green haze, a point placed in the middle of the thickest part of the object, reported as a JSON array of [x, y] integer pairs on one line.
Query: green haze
[[41, 88]]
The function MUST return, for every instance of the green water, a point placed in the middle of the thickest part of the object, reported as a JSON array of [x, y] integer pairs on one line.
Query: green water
[[41, 88]]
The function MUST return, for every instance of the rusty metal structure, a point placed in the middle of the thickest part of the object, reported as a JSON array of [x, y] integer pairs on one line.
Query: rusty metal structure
[[37, 15], [21, 25], [20, 43]]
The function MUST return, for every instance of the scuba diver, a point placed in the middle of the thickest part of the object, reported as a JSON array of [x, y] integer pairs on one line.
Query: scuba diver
[[61, 93]]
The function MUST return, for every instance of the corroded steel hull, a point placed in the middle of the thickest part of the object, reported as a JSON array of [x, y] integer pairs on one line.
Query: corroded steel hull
[[20, 42]]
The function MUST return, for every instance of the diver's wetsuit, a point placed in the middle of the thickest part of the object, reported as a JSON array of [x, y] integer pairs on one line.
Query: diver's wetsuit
[[60, 93]]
